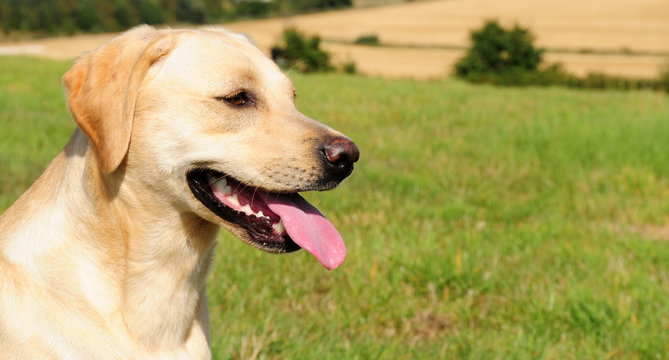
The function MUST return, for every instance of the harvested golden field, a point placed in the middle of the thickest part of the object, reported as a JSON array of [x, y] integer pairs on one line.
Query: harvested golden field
[[574, 25], [571, 24], [637, 31]]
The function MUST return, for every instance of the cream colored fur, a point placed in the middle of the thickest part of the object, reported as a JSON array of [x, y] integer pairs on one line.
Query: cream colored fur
[[105, 256]]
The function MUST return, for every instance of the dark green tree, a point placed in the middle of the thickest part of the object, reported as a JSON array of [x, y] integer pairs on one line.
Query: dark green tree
[[313, 5], [150, 12], [253, 8], [87, 16], [125, 14], [192, 11], [69, 16]]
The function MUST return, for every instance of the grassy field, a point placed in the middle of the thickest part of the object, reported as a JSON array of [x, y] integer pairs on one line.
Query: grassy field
[[481, 223]]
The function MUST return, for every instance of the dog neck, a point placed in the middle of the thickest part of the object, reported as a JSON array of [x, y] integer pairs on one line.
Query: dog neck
[[168, 256], [142, 264], [168, 253], [166, 264]]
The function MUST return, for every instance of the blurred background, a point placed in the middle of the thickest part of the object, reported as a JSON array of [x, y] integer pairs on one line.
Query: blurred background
[[511, 201], [414, 39]]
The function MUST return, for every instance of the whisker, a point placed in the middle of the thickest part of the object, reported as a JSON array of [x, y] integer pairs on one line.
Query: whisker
[[217, 179], [253, 196], [292, 68]]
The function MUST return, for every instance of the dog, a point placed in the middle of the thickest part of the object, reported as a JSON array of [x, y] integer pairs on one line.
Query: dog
[[179, 132]]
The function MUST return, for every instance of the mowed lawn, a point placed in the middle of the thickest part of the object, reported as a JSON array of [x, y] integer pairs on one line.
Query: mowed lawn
[[481, 223]]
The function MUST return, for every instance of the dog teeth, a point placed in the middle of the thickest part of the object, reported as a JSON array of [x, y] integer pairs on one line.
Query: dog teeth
[[222, 187], [278, 227], [234, 201], [246, 209], [260, 215]]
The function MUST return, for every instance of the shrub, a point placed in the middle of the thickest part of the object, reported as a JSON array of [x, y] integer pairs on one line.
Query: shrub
[[302, 53], [605, 81], [370, 40], [552, 75], [349, 67], [507, 57], [664, 78], [496, 50]]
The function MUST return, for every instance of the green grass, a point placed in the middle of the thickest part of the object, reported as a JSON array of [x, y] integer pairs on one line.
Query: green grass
[[481, 223]]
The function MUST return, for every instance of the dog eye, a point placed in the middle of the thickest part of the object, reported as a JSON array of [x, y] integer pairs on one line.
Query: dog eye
[[239, 98]]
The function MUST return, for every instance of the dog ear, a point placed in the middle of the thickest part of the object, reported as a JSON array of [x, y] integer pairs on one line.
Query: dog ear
[[102, 88]]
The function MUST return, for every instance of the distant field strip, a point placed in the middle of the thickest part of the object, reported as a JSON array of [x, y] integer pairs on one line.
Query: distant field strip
[[432, 63], [402, 60], [582, 51]]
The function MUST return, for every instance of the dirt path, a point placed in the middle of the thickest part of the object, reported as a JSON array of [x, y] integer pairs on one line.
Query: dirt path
[[609, 25]]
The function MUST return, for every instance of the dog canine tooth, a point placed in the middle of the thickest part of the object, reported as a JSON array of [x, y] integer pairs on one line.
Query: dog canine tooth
[[246, 209], [226, 189], [279, 227], [261, 215], [234, 201], [222, 186]]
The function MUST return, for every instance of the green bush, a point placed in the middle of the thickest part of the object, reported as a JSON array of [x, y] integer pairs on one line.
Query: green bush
[[552, 75], [370, 40], [349, 67], [496, 50], [605, 81], [302, 53], [664, 78]]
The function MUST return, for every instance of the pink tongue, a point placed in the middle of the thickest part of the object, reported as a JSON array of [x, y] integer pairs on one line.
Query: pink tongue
[[308, 228]]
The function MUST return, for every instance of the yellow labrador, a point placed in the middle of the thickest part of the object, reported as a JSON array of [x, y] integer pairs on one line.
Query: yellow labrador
[[180, 132]]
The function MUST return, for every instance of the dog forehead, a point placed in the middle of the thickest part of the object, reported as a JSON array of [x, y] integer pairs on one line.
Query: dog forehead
[[211, 54], [220, 56]]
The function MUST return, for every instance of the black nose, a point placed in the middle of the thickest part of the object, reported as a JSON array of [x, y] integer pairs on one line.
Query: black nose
[[340, 154]]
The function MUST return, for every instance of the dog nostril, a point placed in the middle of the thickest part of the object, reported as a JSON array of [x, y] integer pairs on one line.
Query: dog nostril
[[341, 152]]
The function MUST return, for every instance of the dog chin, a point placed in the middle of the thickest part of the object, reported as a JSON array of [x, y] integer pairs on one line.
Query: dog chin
[[286, 246]]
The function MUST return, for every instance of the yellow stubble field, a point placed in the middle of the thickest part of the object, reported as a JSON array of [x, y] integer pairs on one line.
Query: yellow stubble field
[[587, 26], [635, 31]]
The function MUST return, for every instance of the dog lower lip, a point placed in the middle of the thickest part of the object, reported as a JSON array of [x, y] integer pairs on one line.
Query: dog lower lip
[[262, 230]]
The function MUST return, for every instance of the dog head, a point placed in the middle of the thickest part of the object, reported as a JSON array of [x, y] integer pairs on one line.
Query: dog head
[[204, 119]]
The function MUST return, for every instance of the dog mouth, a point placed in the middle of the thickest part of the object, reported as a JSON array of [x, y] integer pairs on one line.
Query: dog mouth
[[274, 222]]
